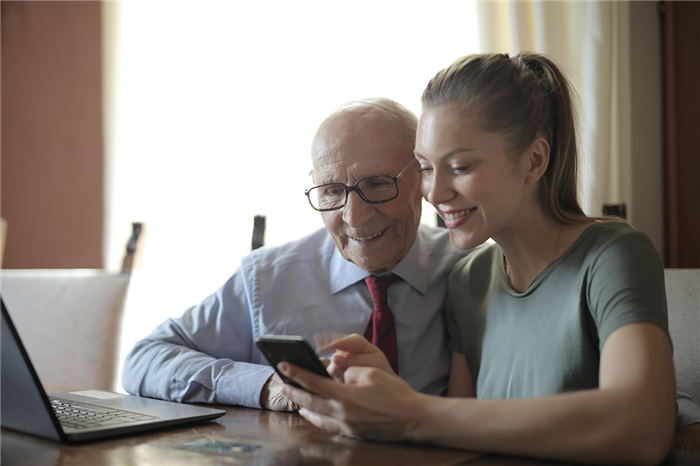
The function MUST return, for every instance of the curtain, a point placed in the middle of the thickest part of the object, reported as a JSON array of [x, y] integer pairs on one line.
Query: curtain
[[589, 40]]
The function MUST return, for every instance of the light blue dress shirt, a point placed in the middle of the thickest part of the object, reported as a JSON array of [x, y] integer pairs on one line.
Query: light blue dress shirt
[[301, 288], [688, 410]]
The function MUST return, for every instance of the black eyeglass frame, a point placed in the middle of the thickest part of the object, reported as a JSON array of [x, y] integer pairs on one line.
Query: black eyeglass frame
[[355, 188]]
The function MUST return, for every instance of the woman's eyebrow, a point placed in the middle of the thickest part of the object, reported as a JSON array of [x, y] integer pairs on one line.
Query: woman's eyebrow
[[418, 155]]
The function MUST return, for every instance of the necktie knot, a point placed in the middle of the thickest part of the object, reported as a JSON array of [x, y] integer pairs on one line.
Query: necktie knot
[[378, 289]]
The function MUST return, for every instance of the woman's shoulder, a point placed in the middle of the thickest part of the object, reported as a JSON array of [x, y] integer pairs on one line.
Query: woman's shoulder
[[481, 260], [611, 228], [613, 235], [473, 277], [614, 245]]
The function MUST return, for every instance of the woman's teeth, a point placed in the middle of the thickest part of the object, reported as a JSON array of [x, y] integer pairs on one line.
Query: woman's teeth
[[457, 215]]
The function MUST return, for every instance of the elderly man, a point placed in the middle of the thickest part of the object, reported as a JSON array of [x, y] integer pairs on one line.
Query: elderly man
[[367, 190]]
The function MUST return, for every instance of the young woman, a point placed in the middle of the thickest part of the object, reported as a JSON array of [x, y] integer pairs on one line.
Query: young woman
[[558, 330]]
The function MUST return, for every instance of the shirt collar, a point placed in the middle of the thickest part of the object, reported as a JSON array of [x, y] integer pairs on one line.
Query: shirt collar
[[413, 268]]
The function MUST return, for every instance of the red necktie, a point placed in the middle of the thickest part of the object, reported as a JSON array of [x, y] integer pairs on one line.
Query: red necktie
[[381, 330]]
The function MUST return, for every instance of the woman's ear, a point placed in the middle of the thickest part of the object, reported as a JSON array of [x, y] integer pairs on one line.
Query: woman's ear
[[538, 159]]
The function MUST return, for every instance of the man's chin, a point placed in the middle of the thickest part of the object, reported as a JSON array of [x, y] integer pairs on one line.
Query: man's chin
[[375, 263], [375, 255], [375, 269]]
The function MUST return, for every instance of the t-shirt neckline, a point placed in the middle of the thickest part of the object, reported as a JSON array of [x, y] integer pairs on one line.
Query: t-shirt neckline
[[505, 282]]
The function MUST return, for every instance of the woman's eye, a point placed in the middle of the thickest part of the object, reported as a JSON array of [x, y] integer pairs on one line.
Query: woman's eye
[[461, 169], [424, 170]]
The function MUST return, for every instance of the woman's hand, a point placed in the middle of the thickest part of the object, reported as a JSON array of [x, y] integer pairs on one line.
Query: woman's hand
[[371, 404], [354, 350]]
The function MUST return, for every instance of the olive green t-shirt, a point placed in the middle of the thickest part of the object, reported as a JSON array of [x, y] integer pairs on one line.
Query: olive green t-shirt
[[548, 339]]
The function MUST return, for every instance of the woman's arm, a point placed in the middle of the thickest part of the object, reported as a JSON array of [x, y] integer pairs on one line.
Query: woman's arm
[[628, 420], [460, 384]]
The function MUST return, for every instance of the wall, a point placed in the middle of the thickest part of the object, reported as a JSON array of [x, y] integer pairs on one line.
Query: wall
[[52, 164], [682, 132], [52, 148]]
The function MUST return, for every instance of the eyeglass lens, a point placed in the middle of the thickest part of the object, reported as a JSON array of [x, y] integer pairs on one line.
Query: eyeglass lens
[[373, 189]]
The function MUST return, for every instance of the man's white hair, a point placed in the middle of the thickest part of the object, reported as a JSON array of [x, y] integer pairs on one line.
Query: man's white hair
[[388, 107], [373, 107]]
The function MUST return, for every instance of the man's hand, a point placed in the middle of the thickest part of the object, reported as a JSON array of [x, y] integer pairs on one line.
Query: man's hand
[[688, 439], [272, 397], [355, 350]]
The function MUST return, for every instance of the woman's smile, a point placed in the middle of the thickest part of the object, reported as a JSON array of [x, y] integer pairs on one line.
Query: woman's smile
[[456, 218]]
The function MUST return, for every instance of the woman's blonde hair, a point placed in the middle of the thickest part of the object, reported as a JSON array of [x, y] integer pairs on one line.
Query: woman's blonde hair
[[522, 98]]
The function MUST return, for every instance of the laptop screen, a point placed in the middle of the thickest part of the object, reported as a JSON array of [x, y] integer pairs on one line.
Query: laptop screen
[[25, 407]]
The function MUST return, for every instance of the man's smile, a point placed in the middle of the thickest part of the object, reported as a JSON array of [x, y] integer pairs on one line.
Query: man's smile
[[366, 238]]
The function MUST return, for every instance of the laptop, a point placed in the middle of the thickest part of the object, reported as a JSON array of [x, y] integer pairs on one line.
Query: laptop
[[81, 415]]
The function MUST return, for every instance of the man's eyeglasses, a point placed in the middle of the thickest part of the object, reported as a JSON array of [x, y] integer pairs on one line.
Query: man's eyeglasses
[[373, 190]]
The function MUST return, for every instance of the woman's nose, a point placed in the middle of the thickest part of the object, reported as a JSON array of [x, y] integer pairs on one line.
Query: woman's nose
[[436, 189]]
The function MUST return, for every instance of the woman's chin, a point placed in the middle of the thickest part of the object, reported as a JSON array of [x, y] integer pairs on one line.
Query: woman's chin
[[464, 241]]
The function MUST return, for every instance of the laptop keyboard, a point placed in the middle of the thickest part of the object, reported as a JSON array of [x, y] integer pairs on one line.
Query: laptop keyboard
[[83, 416]]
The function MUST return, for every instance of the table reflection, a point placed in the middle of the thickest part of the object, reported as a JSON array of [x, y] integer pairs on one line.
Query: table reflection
[[242, 437]]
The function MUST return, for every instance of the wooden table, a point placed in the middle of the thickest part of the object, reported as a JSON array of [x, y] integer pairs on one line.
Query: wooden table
[[281, 439]]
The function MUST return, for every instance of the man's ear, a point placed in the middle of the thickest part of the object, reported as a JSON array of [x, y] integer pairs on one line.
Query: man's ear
[[538, 160]]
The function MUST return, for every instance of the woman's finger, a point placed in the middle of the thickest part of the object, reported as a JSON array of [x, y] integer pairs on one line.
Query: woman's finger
[[336, 372], [322, 421], [378, 360], [315, 384], [310, 381], [356, 375], [309, 402], [354, 343]]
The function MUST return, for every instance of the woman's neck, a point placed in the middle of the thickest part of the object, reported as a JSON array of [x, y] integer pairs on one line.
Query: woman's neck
[[533, 242]]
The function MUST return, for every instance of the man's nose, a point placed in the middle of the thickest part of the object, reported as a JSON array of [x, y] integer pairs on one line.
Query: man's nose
[[356, 211]]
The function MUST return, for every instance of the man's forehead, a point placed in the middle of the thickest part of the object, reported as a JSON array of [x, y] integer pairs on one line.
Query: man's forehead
[[355, 145], [338, 165], [351, 162]]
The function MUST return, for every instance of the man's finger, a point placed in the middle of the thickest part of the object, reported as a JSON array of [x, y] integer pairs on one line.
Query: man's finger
[[298, 396]]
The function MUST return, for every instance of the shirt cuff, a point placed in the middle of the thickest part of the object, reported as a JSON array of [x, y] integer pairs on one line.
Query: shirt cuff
[[688, 412], [242, 383]]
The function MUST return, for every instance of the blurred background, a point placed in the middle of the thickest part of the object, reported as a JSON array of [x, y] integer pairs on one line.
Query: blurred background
[[194, 116]]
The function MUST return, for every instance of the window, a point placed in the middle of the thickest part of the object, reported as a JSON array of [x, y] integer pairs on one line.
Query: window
[[207, 99]]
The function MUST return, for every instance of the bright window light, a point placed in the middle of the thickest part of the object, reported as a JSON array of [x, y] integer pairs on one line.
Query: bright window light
[[213, 108]]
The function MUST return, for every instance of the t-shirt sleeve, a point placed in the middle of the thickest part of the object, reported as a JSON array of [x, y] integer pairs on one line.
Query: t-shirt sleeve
[[626, 285], [454, 337], [454, 304]]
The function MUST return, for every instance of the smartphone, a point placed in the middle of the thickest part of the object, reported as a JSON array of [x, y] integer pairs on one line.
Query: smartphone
[[293, 349]]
